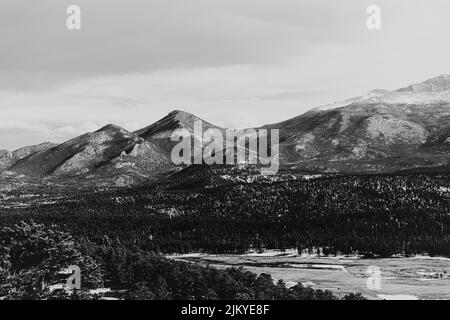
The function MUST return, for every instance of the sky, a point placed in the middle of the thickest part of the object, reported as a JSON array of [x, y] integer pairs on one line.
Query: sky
[[235, 63]]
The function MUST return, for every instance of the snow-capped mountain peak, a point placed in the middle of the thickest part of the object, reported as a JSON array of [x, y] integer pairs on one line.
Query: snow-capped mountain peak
[[436, 84], [432, 91]]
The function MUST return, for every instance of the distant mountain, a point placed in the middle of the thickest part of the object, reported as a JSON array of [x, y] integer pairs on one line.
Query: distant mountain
[[8, 158], [161, 131], [378, 125], [410, 125], [343, 103], [109, 152], [174, 120], [79, 155], [436, 84]]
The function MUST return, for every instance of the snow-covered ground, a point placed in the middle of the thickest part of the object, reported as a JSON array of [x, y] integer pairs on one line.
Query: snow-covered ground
[[397, 297], [419, 277]]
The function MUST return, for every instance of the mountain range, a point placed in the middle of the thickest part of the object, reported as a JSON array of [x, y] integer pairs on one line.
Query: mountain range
[[409, 123], [380, 124]]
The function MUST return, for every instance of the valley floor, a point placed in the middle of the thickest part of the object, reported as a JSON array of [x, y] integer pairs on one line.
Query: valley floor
[[418, 277]]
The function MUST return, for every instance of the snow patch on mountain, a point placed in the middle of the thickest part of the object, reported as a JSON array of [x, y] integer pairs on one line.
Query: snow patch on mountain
[[412, 98], [436, 84], [80, 162], [302, 143], [393, 130], [432, 91], [346, 102]]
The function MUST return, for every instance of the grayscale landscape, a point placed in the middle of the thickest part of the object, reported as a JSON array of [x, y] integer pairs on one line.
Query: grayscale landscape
[[350, 102]]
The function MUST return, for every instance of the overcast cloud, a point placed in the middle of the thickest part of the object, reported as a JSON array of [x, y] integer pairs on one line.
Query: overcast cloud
[[235, 63]]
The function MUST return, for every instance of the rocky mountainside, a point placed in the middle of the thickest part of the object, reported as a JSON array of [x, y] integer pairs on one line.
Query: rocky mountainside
[[8, 158], [174, 120], [160, 132], [410, 125], [110, 152], [378, 125]]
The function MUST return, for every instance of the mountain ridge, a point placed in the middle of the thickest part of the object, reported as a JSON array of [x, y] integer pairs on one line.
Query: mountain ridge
[[408, 122]]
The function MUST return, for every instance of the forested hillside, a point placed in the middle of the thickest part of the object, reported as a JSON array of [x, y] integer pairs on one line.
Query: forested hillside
[[370, 215]]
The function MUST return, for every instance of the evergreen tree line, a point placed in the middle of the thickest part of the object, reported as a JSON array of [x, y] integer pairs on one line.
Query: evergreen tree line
[[33, 255], [370, 215]]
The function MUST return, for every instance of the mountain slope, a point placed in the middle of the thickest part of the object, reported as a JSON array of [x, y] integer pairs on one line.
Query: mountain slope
[[161, 131], [174, 120], [337, 104], [8, 158], [436, 84], [409, 125], [111, 152], [97, 152], [398, 123]]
